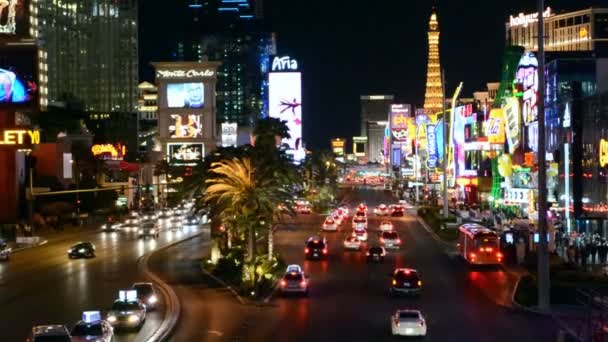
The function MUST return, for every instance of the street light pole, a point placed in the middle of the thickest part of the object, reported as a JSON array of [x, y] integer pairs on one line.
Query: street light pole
[[544, 283], [445, 155]]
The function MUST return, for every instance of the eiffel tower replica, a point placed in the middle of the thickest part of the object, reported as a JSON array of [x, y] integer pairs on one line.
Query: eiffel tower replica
[[433, 96]]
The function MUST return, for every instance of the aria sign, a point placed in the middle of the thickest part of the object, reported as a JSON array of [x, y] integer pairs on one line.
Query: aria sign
[[192, 73], [15, 137], [284, 63]]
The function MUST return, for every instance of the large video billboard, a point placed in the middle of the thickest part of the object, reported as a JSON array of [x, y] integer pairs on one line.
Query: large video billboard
[[400, 115], [185, 95], [14, 18], [18, 76], [285, 103], [186, 126]]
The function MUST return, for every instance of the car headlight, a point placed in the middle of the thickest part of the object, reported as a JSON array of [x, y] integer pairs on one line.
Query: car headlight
[[111, 318], [70, 250], [141, 231], [104, 226], [133, 318], [152, 299], [82, 250]]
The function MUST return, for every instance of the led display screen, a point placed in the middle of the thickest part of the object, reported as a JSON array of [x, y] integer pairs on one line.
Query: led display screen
[[18, 77], [185, 154], [186, 126], [186, 95], [285, 103], [14, 18]]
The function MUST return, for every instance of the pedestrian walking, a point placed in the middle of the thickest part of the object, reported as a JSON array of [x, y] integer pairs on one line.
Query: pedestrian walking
[[570, 251], [577, 253], [592, 251], [602, 252]]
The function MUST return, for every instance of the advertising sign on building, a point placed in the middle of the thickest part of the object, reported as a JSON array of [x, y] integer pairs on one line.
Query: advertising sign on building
[[337, 146], [495, 127], [512, 124], [185, 126], [109, 151], [603, 152], [185, 153], [229, 134], [432, 153], [285, 104], [19, 76], [15, 18], [19, 138], [526, 81], [399, 125], [518, 196]]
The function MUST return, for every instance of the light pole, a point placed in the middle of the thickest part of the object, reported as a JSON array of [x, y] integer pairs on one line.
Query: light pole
[[445, 141], [544, 282]]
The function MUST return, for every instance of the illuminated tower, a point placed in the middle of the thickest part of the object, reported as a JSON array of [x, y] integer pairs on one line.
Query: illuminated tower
[[434, 93]]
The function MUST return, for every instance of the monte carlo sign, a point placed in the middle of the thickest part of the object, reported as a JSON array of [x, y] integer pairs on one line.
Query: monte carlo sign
[[190, 73]]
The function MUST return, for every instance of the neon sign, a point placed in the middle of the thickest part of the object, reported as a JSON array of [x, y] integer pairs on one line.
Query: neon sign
[[192, 73], [109, 151], [284, 63], [603, 152], [512, 124], [431, 146], [527, 78], [527, 19], [20, 137]]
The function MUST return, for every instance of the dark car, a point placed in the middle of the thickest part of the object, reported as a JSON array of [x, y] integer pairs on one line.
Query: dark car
[[82, 250], [316, 248], [405, 281], [397, 210], [5, 250], [375, 254], [146, 294]]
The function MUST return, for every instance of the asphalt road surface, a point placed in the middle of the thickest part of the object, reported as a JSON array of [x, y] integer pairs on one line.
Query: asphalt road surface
[[42, 285], [349, 298]]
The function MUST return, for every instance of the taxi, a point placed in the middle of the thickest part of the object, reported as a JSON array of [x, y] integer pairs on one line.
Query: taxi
[[92, 328], [127, 311]]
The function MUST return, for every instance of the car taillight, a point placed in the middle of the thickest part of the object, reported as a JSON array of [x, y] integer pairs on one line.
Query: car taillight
[[354, 234], [489, 249], [472, 255], [381, 240], [398, 240], [419, 283], [394, 282], [303, 283], [324, 250], [306, 250], [367, 253], [283, 283]]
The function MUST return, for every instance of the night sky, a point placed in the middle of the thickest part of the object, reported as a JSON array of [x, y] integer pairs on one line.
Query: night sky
[[350, 48]]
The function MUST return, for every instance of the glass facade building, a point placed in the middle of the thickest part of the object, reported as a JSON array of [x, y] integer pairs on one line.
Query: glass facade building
[[88, 50]]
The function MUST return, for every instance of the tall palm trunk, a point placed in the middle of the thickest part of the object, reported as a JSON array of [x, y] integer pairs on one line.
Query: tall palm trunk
[[270, 242], [250, 247]]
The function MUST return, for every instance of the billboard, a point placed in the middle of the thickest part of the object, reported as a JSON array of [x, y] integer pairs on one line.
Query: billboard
[[15, 18], [285, 104], [18, 76], [495, 127], [526, 80], [186, 95], [513, 123], [185, 153], [432, 160], [229, 134], [400, 114], [186, 126]]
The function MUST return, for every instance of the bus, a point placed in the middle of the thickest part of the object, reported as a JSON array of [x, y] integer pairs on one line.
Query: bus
[[479, 245]]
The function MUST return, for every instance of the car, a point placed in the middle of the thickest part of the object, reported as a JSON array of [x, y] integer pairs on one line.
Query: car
[[381, 210], [294, 282], [149, 215], [132, 219], [360, 214], [352, 243], [316, 248], [5, 250], [82, 250], [359, 222], [362, 207], [375, 254], [388, 186], [127, 312], [92, 328], [192, 220], [337, 217], [397, 210], [386, 226], [408, 323], [330, 225], [390, 239], [294, 268], [344, 211], [146, 294], [176, 221], [49, 333], [164, 218], [149, 229], [303, 209], [360, 234], [405, 281], [111, 227]]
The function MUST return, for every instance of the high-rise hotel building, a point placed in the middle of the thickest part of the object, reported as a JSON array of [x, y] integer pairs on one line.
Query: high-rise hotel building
[[88, 50], [583, 30]]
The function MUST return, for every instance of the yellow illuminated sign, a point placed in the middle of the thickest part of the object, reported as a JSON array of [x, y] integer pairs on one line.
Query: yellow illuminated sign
[[20, 136], [603, 152], [116, 152]]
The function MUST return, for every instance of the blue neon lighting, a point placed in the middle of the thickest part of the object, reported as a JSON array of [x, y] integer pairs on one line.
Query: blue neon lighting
[[195, 6], [246, 16], [228, 9]]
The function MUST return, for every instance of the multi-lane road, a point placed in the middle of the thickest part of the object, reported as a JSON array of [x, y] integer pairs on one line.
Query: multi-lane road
[[349, 298], [42, 286]]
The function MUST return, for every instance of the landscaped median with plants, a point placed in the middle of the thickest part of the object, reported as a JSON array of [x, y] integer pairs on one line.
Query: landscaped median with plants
[[440, 225], [566, 279]]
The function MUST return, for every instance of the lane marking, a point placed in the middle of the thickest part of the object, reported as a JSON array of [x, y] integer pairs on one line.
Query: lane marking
[[215, 332]]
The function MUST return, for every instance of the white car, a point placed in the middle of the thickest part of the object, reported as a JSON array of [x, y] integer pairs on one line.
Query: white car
[[352, 243], [294, 282], [408, 323], [386, 226], [127, 314], [360, 234], [390, 239], [330, 225], [92, 328]]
